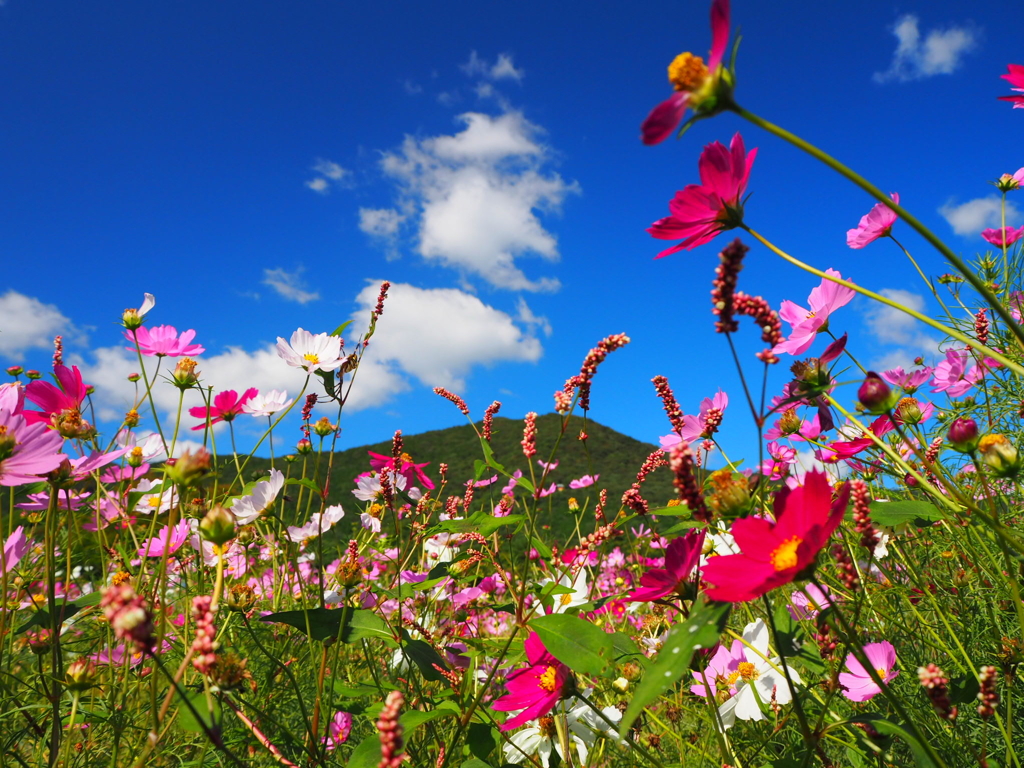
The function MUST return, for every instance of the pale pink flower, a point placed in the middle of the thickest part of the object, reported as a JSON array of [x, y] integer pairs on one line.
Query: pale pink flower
[[246, 509], [318, 524], [952, 375], [807, 323], [700, 212], [696, 427], [874, 224], [857, 683], [584, 482], [808, 601], [319, 352], [15, 547], [1003, 237], [167, 540], [909, 381], [164, 341]]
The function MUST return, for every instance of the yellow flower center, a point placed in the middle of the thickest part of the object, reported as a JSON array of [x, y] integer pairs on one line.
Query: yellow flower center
[[731, 679], [989, 442], [566, 598], [881, 673], [784, 556], [748, 671], [309, 357], [548, 679], [687, 72], [153, 501]]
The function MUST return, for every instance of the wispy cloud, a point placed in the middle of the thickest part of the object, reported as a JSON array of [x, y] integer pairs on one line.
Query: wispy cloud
[[328, 173], [975, 215], [27, 323], [939, 52], [383, 225], [289, 285], [502, 69], [901, 337]]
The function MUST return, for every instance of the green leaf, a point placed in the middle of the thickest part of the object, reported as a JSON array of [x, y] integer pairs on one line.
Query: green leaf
[[198, 700], [367, 754], [481, 739], [424, 657], [324, 623], [341, 328], [367, 625], [577, 643], [893, 514], [921, 756], [414, 718], [475, 763], [64, 612], [785, 632], [479, 522], [354, 690], [489, 457], [701, 630], [305, 482]]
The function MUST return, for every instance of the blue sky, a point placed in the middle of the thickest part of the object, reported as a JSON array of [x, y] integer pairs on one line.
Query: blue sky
[[262, 166]]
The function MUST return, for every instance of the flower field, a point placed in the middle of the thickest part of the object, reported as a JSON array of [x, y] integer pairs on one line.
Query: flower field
[[860, 608]]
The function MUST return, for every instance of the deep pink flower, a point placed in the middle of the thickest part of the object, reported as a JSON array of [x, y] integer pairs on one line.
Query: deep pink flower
[[412, 472], [26, 450], [700, 212], [14, 549], [725, 666], [163, 341], [909, 381], [535, 689], [53, 400], [773, 554], [693, 82], [807, 323], [874, 224], [681, 558], [226, 405], [808, 602], [997, 236], [857, 683], [952, 375], [780, 459], [339, 729], [696, 427], [1015, 77], [841, 450], [167, 539]]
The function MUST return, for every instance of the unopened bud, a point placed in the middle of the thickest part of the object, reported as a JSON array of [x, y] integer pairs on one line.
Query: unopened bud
[[217, 526], [632, 671], [135, 457], [15, 370], [131, 319], [241, 597], [80, 675], [908, 410], [185, 375], [999, 454], [1007, 183], [323, 427], [620, 684], [875, 395], [728, 495], [131, 419], [963, 435], [33, 375], [189, 468], [133, 377], [789, 422], [304, 447]]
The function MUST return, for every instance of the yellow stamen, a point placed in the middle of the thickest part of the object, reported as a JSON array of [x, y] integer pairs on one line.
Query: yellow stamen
[[309, 357], [748, 671], [548, 679], [566, 598], [687, 72], [784, 556]]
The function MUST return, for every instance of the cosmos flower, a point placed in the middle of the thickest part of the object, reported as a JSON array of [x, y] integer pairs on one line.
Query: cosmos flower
[[584, 482], [534, 689], [412, 471], [164, 341], [759, 678], [1003, 237], [697, 427], [267, 403], [808, 601], [339, 729], [807, 323], [1015, 77], [15, 547], [226, 405], [857, 683], [681, 559], [318, 524], [723, 666], [874, 224], [26, 450], [248, 508], [908, 380], [310, 352], [167, 539], [55, 400], [773, 554], [952, 375], [540, 738], [699, 212], [694, 83]]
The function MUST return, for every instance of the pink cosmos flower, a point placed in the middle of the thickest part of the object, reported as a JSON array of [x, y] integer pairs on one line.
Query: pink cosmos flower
[[780, 459], [681, 558], [725, 666], [15, 548], [53, 400], [1003, 237], [167, 540], [701, 212], [857, 683], [26, 450], [226, 405], [845, 449], [909, 381], [535, 689], [584, 482], [690, 78], [823, 300], [874, 224], [1015, 77], [952, 375], [412, 472], [339, 730], [808, 601], [163, 341], [696, 427], [773, 554]]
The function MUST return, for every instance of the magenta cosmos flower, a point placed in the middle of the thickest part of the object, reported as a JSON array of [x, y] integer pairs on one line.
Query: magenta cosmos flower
[[807, 323], [694, 83], [163, 341], [27, 450], [681, 558], [534, 689], [857, 683], [773, 554], [1015, 77], [874, 224], [226, 405], [1003, 237], [54, 400], [701, 211], [724, 669], [703, 425]]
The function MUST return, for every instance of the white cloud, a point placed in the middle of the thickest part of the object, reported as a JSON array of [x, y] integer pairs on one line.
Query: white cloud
[[27, 323], [327, 171], [382, 224], [502, 69], [289, 284], [412, 88], [526, 316], [975, 215], [475, 196], [438, 335], [894, 328], [940, 52]]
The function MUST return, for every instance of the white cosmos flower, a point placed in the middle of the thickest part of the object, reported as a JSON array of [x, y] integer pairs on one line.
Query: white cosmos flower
[[148, 302], [311, 353], [318, 524], [267, 403], [368, 487], [248, 508], [539, 737], [757, 679], [159, 501], [370, 522], [151, 445], [580, 591]]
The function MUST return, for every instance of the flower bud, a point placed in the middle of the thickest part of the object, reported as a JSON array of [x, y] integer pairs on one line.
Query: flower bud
[[963, 435], [133, 377], [304, 447], [131, 319], [185, 375], [80, 675], [908, 411], [131, 419], [632, 671], [241, 598], [189, 468], [728, 494], [15, 370], [875, 395], [620, 684], [218, 526], [135, 457], [999, 454], [1007, 183], [70, 424], [33, 375], [323, 427], [574, 505], [789, 422]]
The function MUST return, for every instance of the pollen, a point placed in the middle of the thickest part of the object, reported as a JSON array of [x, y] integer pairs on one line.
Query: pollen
[[566, 599], [784, 557], [153, 501], [309, 357], [748, 671], [687, 72], [548, 680]]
